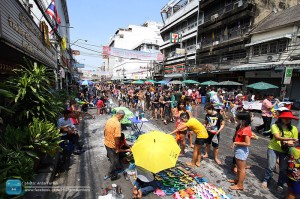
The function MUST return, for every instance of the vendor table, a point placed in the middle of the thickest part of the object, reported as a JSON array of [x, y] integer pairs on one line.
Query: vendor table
[[135, 123]]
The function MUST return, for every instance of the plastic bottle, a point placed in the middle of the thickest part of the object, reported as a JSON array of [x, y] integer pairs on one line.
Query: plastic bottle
[[136, 115], [114, 191]]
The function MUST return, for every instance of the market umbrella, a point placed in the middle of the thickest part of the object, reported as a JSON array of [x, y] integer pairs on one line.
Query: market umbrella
[[87, 83], [229, 83], [128, 114], [161, 82], [151, 81], [210, 82], [138, 82], [262, 86], [175, 82], [190, 81], [155, 151]]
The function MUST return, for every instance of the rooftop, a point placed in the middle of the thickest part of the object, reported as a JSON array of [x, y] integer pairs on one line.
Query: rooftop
[[286, 17]]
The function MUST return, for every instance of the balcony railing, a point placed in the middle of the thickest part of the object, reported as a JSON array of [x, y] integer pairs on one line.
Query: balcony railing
[[224, 10], [232, 34]]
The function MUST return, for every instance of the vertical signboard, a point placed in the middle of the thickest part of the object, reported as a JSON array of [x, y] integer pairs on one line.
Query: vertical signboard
[[288, 75]]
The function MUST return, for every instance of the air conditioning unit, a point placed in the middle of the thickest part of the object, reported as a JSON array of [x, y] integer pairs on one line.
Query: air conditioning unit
[[216, 43], [214, 17]]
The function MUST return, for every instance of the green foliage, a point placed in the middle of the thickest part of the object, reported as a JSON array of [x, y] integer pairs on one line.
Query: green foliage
[[33, 97], [14, 138], [5, 94], [44, 137], [14, 164]]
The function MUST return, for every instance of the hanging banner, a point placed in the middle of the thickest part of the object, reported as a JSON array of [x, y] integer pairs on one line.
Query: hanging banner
[[288, 75], [132, 54]]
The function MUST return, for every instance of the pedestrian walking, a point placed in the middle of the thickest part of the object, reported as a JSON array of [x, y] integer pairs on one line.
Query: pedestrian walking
[[267, 114], [282, 131]]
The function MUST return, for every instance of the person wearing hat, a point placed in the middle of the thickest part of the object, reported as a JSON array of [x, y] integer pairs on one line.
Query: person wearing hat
[[283, 132], [144, 183], [112, 134], [267, 114]]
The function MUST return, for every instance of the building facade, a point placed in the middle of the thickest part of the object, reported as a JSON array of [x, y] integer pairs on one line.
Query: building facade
[[145, 38], [221, 47], [25, 35]]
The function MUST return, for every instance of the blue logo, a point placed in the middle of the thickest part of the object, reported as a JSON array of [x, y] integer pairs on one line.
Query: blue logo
[[13, 187]]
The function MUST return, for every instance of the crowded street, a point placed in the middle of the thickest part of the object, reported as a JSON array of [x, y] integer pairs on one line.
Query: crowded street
[[174, 99]]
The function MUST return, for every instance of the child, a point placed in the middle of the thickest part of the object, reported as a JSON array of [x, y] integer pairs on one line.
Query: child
[[241, 149], [201, 135]]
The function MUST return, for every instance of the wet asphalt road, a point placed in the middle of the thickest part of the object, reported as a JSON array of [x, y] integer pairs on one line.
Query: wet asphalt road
[[89, 168]]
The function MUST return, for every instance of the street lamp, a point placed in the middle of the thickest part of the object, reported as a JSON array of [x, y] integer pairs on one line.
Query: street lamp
[[77, 41]]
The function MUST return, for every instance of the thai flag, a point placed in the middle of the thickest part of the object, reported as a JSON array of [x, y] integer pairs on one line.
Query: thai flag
[[52, 11]]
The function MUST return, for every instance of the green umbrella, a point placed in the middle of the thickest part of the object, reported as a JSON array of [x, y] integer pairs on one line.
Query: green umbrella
[[190, 81], [128, 114], [262, 86], [210, 82], [175, 82], [229, 83], [138, 82], [151, 80]]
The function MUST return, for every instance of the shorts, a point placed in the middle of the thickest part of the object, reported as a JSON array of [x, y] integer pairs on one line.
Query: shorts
[[293, 186], [200, 141], [209, 140], [241, 152]]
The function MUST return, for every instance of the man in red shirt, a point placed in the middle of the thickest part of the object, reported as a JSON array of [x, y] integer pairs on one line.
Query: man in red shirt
[[100, 105], [266, 115]]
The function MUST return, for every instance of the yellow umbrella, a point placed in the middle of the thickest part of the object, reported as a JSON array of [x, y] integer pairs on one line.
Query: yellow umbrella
[[155, 151]]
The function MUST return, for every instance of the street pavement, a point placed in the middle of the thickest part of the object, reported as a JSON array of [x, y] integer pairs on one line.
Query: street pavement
[[89, 168]]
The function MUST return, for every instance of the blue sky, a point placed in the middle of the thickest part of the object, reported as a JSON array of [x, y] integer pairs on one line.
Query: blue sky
[[97, 20]]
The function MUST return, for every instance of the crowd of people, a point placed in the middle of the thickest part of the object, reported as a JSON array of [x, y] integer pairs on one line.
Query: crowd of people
[[174, 104]]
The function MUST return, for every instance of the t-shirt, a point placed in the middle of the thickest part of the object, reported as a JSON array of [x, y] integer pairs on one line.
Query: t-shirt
[[148, 95], [111, 131], [242, 133], [266, 108], [293, 171], [100, 104], [213, 122], [216, 100], [194, 125], [177, 96], [275, 144]]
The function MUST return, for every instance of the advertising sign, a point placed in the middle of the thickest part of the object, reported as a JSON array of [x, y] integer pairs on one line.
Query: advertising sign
[[288, 75], [78, 65], [132, 54]]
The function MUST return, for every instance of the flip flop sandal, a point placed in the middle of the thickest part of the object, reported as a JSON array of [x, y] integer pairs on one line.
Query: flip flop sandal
[[183, 194], [235, 187], [177, 196], [169, 191], [159, 192]]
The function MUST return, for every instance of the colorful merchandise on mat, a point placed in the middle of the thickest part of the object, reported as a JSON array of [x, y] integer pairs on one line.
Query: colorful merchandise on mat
[[182, 182]]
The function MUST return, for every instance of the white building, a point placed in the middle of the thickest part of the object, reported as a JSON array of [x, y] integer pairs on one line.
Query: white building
[[144, 38], [179, 16]]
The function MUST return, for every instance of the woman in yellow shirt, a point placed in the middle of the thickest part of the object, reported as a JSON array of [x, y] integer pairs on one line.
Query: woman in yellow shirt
[[201, 135]]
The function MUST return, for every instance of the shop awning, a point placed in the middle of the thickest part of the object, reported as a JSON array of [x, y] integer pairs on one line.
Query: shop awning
[[171, 75], [289, 36], [245, 67]]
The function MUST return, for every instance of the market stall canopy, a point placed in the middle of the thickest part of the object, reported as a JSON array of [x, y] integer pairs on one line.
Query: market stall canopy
[[210, 82], [151, 81], [190, 81], [175, 82], [86, 83], [138, 82], [161, 147], [229, 83], [262, 86]]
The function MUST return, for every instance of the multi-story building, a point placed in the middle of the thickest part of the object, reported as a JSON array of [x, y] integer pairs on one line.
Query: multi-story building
[[145, 38], [222, 30], [179, 16], [274, 46], [24, 32]]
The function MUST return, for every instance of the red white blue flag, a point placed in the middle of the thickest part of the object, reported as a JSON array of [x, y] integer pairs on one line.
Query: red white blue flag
[[52, 11]]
